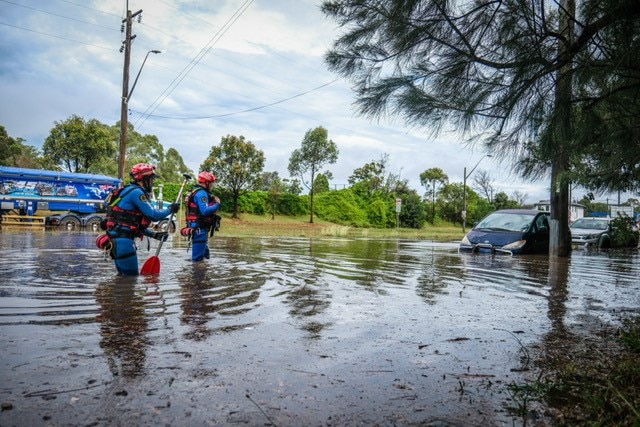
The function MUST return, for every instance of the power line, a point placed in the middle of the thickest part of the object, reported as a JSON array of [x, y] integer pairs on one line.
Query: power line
[[90, 8], [58, 15], [165, 94], [238, 13], [57, 37], [240, 112]]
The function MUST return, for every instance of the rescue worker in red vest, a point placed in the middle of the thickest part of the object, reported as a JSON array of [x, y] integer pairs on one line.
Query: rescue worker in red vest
[[201, 215], [129, 214]]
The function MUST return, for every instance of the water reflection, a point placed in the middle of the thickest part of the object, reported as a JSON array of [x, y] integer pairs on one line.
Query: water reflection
[[123, 325], [209, 295], [197, 309], [381, 330], [436, 273], [558, 295]]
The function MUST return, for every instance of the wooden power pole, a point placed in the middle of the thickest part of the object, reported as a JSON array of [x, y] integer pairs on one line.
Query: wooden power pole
[[124, 110]]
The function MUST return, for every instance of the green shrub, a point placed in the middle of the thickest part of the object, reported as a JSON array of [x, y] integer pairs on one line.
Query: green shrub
[[414, 211], [378, 212], [253, 202], [623, 233], [342, 207], [293, 204]]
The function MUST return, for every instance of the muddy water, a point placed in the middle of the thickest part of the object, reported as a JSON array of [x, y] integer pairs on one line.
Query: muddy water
[[286, 331]]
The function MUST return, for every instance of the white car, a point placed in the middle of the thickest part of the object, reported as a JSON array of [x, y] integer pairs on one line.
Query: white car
[[599, 233]]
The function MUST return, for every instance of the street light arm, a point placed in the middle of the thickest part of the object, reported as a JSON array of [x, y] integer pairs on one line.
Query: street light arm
[[464, 192], [474, 168], [139, 71]]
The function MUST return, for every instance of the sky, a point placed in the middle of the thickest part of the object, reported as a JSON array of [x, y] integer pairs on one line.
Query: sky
[[226, 67]]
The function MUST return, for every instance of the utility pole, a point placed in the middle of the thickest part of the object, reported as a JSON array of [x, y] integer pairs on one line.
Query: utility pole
[[124, 110]]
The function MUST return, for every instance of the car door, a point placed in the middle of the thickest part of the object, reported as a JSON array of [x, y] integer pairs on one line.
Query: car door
[[539, 233]]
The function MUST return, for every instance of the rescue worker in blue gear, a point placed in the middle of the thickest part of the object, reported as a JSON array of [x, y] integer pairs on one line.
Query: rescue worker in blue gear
[[129, 213], [201, 215]]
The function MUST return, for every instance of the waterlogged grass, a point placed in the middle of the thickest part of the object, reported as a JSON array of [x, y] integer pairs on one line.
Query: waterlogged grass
[[265, 226], [595, 382]]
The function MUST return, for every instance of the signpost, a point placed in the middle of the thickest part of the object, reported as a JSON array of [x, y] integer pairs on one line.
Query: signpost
[[398, 209]]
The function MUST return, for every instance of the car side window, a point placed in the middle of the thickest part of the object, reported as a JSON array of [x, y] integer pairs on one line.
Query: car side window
[[542, 222]]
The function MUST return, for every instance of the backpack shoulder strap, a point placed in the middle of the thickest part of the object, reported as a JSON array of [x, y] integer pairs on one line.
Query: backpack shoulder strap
[[117, 195]]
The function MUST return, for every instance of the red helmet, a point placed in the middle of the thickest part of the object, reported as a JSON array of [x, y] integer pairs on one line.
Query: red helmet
[[141, 170], [205, 177]]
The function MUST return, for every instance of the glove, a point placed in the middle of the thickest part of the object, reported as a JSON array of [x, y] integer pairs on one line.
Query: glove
[[160, 235], [174, 207]]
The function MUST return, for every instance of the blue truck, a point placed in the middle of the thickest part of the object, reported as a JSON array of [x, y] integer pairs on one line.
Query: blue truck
[[72, 200]]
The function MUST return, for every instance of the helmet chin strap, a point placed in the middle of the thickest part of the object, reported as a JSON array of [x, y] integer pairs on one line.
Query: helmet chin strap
[[146, 183]]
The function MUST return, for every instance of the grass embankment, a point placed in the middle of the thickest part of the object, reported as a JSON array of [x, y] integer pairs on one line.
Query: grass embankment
[[256, 225], [592, 381]]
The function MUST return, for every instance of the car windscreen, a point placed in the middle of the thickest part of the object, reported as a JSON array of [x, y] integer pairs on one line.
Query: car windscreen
[[590, 224], [506, 222]]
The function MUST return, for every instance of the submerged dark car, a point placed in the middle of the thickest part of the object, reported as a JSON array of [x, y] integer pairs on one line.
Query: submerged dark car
[[511, 231]]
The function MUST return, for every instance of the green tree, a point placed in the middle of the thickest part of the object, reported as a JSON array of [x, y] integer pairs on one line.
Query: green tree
[[276, 188], [501, 201], [321, 183], [316, 151], [78, 145], [10, 148], [148, 149], [371, 178], [511, 71], [592, 207], [450, 201], [143, 149], [267, 179], [292, 186], [413, 211], [237, 164], [519, 197], [13, 152], [172, 167], [429, 179]]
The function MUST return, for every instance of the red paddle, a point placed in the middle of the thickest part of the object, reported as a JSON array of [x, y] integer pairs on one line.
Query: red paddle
[[152, 265]]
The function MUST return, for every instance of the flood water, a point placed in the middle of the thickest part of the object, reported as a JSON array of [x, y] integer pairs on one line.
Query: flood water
[[287, 331]]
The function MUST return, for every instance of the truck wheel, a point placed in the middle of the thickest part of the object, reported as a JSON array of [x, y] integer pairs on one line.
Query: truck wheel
[[70, 223], [93, 224]]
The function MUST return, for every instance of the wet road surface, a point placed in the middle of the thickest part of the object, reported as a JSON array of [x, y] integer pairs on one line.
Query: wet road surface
[[286, 331]]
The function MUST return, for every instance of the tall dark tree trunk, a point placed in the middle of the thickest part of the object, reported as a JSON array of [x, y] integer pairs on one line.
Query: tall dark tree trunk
[[236, 196], [560, 238]]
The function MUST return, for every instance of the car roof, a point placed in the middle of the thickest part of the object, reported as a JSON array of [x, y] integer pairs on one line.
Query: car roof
[[521, 211]]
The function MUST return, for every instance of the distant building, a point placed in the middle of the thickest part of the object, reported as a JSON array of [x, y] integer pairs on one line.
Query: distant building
[[576, 211], [616, 210]]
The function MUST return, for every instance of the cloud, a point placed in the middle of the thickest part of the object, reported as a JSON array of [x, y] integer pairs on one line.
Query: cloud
[[255, 71]]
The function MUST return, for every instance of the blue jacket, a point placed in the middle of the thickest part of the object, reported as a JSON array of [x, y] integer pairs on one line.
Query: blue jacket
[[201, 207], [133, 198]]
